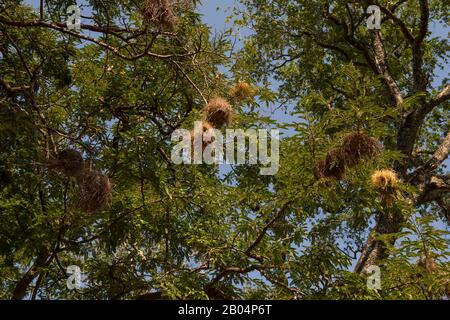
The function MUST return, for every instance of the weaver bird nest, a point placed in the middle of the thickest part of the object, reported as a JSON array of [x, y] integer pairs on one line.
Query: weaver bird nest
[[68, 161], [319, 169], [385, 182], [332, 167], [358, 146], [94, 188], [354, 148], [94, 191], [242, 91], [334, 164], [160, 12], [204, 135], [218, 112]]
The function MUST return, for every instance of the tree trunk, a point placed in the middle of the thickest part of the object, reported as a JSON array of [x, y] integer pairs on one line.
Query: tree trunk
[[23, 284], [374, 250]]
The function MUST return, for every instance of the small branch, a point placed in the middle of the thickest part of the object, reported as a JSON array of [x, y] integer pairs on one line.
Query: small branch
[[436, 160], [189, 80], [61, 27], [266, 227], [231, 270]]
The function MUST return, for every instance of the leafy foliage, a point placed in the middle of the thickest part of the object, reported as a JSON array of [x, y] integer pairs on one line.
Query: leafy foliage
[[116, 91]]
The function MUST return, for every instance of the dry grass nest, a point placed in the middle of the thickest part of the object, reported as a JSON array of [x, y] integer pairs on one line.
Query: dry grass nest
[[334, 164], [69, 161], [243, 91], [218, 112], [354, 148], [358, 146], [384, 181], [332, 167], [94, 191], [160, 12], [319, 169]]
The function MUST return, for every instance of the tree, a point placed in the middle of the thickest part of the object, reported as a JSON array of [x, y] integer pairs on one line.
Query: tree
[[346, 78], [115, 91]]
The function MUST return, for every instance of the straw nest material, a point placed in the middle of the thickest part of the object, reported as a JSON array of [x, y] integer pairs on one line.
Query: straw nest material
[[358, 146], [94, 191], [354, 148], [242, 91], [218, 112], [384, 181], [332, 167], [68, 161], [334, 164], [319, 169], [204, 134], [160, 12]]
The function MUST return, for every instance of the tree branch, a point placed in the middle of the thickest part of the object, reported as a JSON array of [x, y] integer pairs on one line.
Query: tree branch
[[266, 227], [13, 90], [383, 70], [435, 161], [441, 97]]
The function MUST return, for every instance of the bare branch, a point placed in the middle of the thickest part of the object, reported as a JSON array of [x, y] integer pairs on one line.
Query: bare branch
[[62, 28], [434, 189]]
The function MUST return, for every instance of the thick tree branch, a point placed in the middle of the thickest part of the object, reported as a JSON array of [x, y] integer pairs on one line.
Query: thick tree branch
[[43, 259], [424, 20], [433, 163], [383, 70], [441, 97], [374, 250], [433, 190]]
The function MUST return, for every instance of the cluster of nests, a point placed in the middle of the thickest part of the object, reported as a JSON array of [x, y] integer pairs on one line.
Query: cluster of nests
[[354, 148], [218, 112], [94, 188], [160, 13]]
